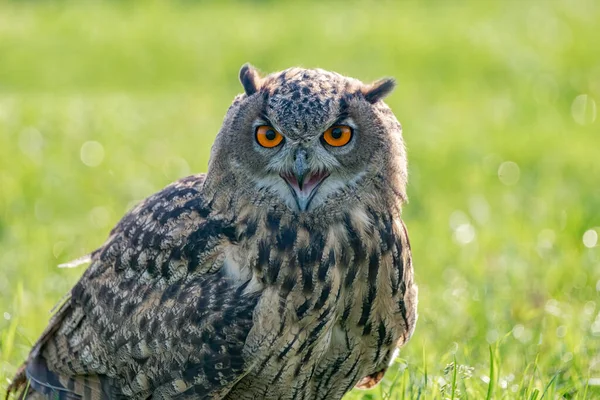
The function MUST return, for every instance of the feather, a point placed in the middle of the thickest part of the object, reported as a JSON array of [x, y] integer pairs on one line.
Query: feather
[[77, 262]]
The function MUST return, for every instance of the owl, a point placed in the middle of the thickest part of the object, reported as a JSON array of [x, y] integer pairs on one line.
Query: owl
[[284, 272]]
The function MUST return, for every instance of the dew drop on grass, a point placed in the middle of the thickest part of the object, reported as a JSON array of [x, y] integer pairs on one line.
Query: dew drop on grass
[[92, 153], [518, 331], [509, 173], [583, 109]]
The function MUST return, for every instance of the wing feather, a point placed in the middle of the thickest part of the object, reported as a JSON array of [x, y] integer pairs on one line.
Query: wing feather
[[154, 314]]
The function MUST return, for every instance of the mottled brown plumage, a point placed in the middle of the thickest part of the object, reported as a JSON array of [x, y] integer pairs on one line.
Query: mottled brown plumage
[[231, 285]]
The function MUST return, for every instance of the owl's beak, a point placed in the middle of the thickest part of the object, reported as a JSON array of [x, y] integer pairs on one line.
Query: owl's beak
[[304, 186], [303, 182]]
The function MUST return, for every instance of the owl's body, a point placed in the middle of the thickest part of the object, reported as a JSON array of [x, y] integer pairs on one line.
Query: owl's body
[[284, 273]]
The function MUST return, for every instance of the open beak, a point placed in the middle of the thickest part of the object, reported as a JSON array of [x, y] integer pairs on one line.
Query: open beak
[[303, 183]]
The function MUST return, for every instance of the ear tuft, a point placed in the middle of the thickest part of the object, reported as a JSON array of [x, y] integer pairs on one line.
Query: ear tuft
[[378, 90], [250, 79]]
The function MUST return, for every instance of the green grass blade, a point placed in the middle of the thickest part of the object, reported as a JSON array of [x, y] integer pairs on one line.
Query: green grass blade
[[491, 384], [453, 379]]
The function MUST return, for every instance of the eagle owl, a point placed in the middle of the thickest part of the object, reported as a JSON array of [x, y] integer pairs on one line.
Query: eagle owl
[[283, 273]]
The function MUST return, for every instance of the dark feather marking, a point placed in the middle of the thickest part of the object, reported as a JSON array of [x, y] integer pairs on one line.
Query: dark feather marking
[[314, 334], [325, 292], [198, 205], [402, 306], [316, 246], [351, 275], [381, 334], [304, 260], [307, 356], [263, 364], [301, 311], [358, 248], [279, 373], [273, 221], [345, 259], [367, 329], [286, 287], [200, 239], [346, 313], [387, 235], [352, 382], [165, 216], [251, 227], [274, 267], [351, 370], [324, 266], [287, 348], [372, 292], [286, 238], [333, 369], [128, 308], [264, 252], [398, 264]]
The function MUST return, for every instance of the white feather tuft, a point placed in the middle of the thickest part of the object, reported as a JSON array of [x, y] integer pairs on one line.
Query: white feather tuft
[[77, 262]]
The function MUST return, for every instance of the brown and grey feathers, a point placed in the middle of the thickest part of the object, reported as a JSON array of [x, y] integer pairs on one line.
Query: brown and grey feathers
[[217, 288]]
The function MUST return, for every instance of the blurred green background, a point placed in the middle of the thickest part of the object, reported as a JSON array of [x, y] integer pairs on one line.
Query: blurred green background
[[104, 103]]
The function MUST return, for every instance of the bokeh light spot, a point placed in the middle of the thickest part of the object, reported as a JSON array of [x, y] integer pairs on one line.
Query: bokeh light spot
[[509, 173], [491, 336], [92, 153], [583, 109], [590, 238], [464, 234], [546, 239]]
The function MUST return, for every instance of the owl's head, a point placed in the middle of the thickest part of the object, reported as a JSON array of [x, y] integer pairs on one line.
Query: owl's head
[[309, 139]]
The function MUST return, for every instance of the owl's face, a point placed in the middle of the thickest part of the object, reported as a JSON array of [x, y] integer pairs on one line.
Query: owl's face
[[309, 138]]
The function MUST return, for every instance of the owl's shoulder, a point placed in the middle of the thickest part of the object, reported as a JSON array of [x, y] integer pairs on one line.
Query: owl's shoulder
[[170, 228]]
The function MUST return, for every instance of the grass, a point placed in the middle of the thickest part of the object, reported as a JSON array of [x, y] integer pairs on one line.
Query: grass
[[104, 103]]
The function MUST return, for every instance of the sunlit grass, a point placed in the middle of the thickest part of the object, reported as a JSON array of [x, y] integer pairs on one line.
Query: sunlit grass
[[102, 104]]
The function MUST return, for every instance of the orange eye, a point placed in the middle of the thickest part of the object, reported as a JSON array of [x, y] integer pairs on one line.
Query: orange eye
[[268, 137], [338, 135]]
